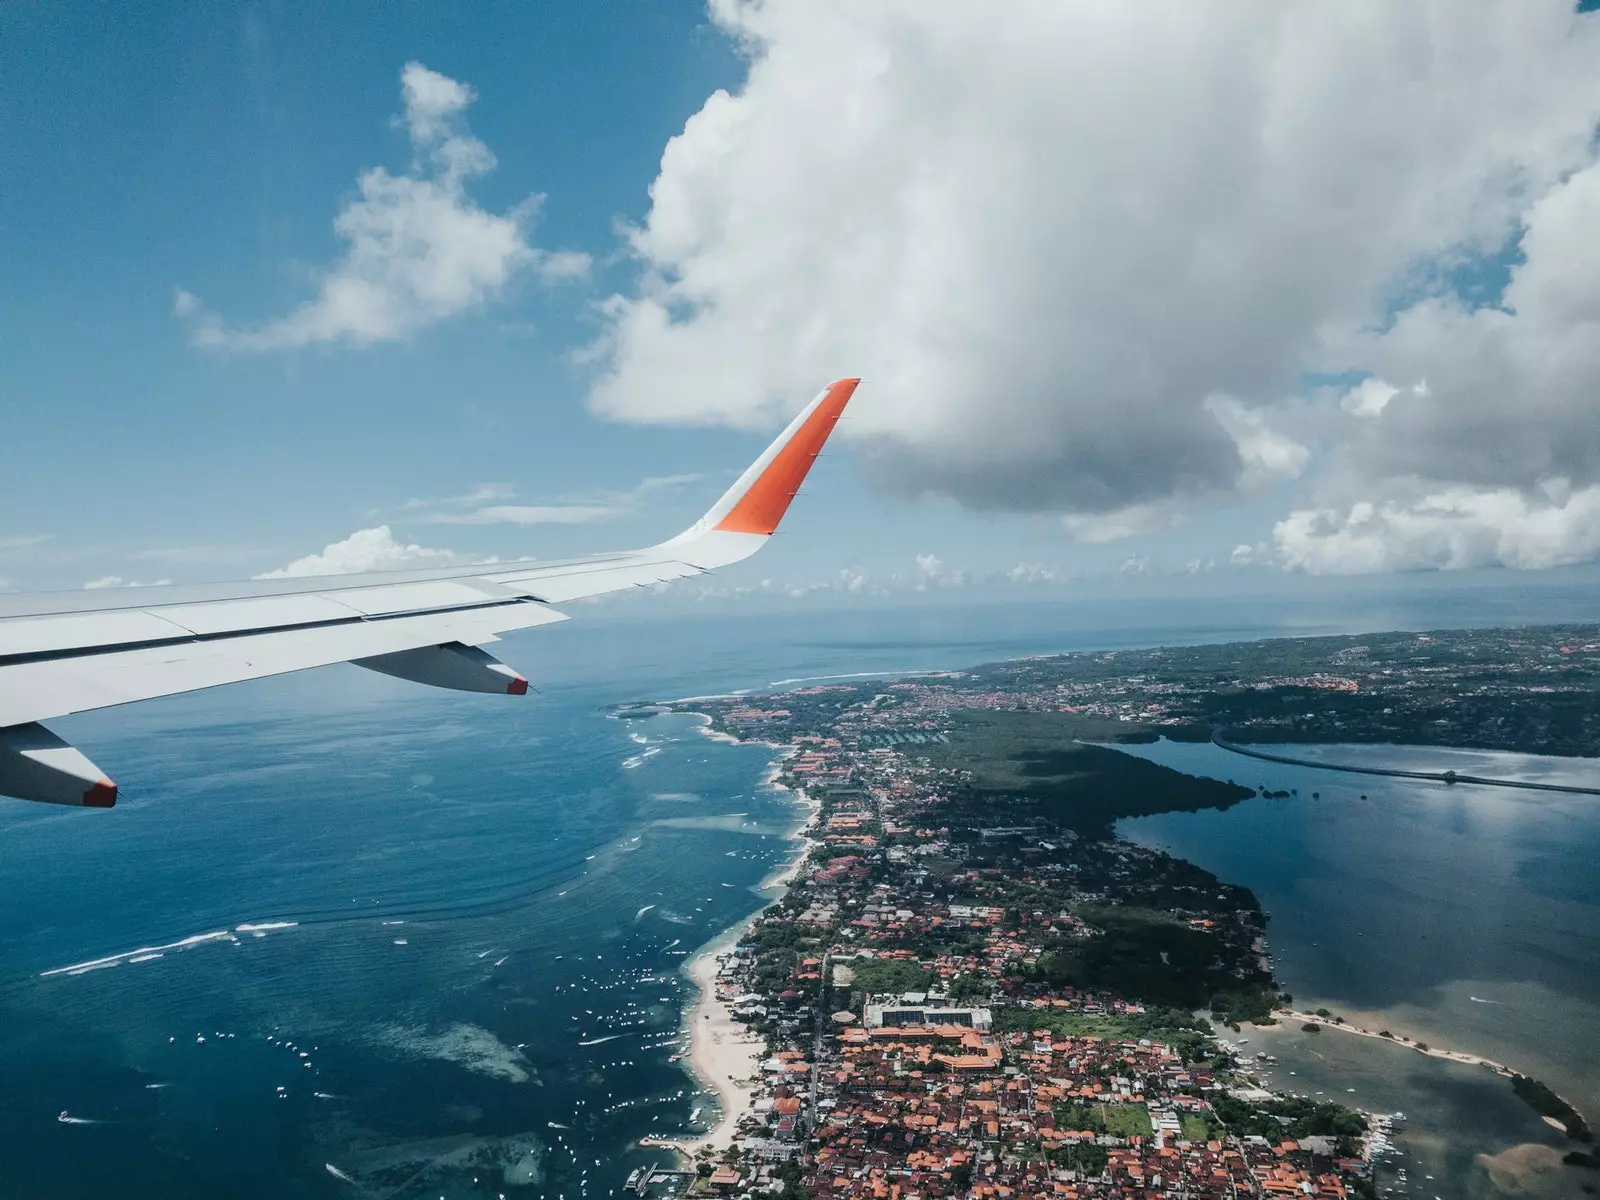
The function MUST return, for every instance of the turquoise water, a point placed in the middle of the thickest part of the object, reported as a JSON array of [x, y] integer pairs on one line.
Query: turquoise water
[[468, 914]]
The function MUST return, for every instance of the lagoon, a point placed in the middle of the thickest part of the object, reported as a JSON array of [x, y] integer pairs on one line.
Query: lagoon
[[1467, 916]]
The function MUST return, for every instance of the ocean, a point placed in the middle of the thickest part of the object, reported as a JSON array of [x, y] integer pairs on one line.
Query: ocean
[[349, 936]]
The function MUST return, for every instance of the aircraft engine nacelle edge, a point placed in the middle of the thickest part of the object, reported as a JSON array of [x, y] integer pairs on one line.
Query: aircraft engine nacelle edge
[[35, 764], [452, 665]]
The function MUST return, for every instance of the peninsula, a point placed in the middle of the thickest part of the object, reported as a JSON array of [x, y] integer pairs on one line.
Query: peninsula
[[973, 987]]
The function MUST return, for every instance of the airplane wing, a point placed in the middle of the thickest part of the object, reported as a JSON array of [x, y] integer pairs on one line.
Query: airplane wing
[[81, 651]]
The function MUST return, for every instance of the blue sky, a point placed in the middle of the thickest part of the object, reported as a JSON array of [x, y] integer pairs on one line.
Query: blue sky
[[208, 150]]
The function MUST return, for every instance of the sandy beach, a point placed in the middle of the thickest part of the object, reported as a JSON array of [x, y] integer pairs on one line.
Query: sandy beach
[[723, 1054], [1409, 1043], [1472, 1060]]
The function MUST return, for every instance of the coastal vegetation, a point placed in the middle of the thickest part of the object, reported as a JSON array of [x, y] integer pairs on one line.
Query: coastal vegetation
[[1547, 1104], [1159, 957], [1127, 1120], [879, 975], [1186, 1033], [1044, 765], [1291, 1116]]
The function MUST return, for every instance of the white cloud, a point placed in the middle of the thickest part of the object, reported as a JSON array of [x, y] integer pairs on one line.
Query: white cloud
[[483, 493], [526, 514], [1030, 573], [931, 573], [364, 550], [1046, 237], [852, 581], [1245, 555], [1264, 455], [418, 249], [1510, 394], [484, 504], [1370, 397], [117, 581], [1129, 521], [1447, 530]]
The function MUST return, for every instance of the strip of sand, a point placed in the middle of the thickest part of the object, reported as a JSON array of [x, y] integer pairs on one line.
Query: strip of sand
[[723, 1053]]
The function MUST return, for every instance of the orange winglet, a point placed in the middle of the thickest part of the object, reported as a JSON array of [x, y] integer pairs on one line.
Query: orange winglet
[[761, 508]]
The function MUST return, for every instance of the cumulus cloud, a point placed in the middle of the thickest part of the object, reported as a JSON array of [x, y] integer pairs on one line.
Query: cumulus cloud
[[1447, 530], [1372, 395], [418, 248], [1264, 455], [116, 581], [1510, 393], [1031, 573], [374, 549], [1084, 254], [932, 572]]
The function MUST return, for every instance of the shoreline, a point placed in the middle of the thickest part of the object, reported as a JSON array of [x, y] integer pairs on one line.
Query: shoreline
[[1285, 1016], [723, 1055]]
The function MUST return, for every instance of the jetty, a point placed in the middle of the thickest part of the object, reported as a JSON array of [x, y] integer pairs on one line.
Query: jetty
[[1395, 773]]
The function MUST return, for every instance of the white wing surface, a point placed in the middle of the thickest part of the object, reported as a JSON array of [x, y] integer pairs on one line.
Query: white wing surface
[[62, 654]]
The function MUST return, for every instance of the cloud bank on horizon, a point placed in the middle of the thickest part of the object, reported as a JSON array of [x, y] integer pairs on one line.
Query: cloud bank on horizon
[[1111, 262]]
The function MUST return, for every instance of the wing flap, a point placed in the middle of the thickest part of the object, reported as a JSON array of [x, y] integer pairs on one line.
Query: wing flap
[[78, 631], [417, 597], [269, 612], [575, 583]]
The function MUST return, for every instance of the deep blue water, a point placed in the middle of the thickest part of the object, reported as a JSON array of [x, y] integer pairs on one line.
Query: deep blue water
[[481, 904]]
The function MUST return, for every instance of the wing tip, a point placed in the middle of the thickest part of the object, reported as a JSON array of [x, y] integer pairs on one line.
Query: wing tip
[[102, 795], [767, 499]]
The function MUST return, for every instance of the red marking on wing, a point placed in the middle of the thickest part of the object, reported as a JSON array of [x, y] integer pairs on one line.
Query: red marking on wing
[[101, 795], [761, 508], [517, 687]]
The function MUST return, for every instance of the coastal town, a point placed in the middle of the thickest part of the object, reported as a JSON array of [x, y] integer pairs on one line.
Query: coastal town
[[970, 986], [967, 990]]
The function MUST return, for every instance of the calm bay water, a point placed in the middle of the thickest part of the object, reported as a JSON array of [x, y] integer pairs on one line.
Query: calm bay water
[[1465, 916], [431, 942]]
